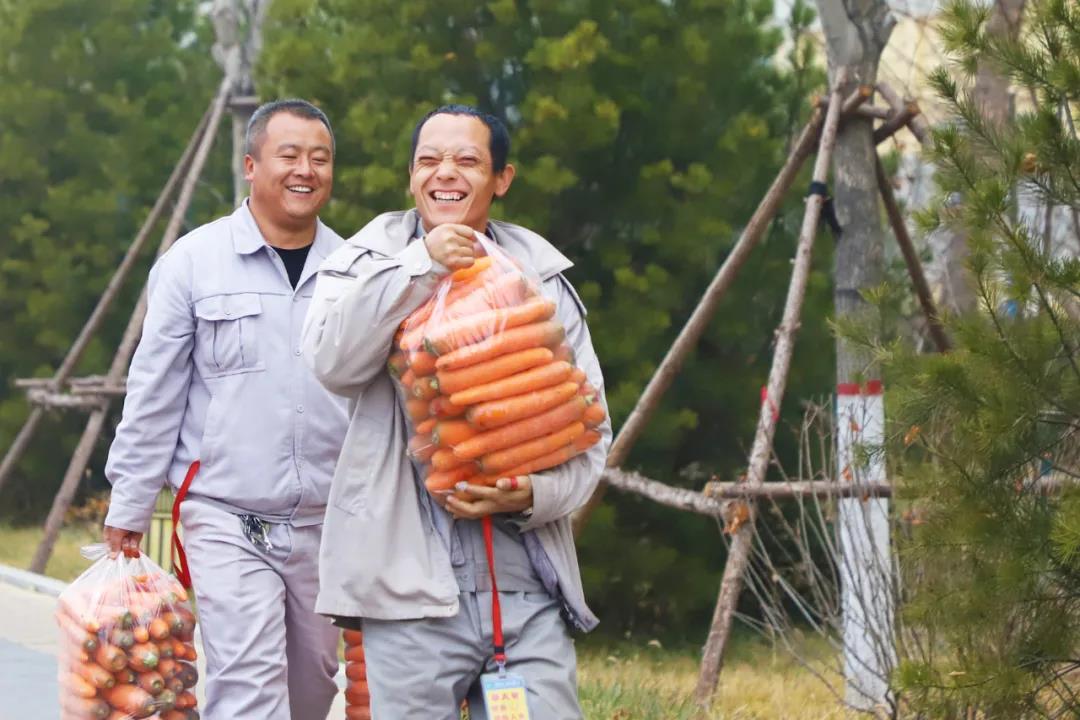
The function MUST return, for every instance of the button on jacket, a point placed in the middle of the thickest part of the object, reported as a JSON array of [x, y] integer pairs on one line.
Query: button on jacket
[[401, 568], [219, 377]]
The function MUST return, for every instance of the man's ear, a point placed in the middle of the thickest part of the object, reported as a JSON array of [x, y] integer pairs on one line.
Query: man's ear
[[249, 168], [503, 180]]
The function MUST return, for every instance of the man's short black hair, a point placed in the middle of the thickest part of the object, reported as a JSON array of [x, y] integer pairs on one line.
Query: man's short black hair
[[500, 136], [256, 126]]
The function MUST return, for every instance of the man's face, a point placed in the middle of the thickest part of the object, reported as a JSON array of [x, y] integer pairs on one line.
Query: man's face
[[292, 171], [452, 178]]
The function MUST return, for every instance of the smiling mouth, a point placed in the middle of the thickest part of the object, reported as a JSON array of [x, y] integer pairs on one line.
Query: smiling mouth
[[447, 196], [302, 189]]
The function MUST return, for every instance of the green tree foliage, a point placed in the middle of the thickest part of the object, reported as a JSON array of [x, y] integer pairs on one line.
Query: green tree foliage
[[645, 133], [993, 570], [97, 101]]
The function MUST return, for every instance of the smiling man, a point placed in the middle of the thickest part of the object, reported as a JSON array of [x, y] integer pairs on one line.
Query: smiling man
[[221, 406], [409, 569]]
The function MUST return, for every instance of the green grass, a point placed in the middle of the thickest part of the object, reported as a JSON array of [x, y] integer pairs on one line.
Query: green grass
[[649, 683], [17, 546]]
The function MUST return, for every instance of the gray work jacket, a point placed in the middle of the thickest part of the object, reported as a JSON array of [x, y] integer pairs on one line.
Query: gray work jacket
[[219, 377], [382, 556]]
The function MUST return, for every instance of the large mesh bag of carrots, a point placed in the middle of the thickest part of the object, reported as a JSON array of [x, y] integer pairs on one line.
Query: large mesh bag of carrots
[[488, 380], [126, 642]]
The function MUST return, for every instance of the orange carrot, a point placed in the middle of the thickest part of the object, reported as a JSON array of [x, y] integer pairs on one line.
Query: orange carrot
[[521, 431], [96, 675], [397, 364], [426, 426], [497, 413], [143, 657], [441, 407], [558, 457], [450, 432], [357, 694], [187, 623], [594, 415], [165, 700], [355, 671], [541, 334], [121, 638], [359, 711], [131, 699], [473, 328], [127, 676], [111, 657], [77, 685], [503, 460], [168, 667], [354, 653], [502, 291], [407, 379], [353, 637], [425, 388], [578, 376], [422, 363], [479, 265], [417, 409], [444, 460], [421, 447], [165, 647], [75, 634], [77, 707], [442, 481], [452, 381], [413, 324], [188, 674], [151, 681], [536, 379], [185, 700], [159, 629], [185, 650]]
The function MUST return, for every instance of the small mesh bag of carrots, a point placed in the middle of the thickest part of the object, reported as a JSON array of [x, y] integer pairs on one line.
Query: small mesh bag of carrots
[[126, 642], [488, 381]]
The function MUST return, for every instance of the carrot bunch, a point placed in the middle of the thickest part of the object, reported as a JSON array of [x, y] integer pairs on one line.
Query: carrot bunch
[[357, 697], [126, 650], [490, 386]]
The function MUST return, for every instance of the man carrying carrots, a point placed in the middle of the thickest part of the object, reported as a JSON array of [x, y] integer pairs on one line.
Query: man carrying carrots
[[220, 404], [413, 564]]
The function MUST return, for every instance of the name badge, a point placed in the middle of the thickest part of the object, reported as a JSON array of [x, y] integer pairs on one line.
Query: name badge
[[504, 696]]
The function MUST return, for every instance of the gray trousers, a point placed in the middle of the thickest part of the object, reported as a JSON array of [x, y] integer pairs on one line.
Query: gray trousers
[[268, 655], [423, 669]]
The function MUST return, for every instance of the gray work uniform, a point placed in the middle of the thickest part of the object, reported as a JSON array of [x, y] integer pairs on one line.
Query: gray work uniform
[[218, 377], [421, 609]]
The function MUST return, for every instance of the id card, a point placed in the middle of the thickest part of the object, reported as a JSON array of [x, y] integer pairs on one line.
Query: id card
[[504, 696]]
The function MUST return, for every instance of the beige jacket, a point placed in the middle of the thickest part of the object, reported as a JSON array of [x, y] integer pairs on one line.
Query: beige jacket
[[381, 554]]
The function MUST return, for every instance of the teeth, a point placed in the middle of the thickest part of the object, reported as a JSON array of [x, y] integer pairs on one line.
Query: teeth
[[300, 188], [448, 196]]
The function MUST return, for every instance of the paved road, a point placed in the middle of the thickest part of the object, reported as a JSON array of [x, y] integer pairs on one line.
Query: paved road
[[28, 647]]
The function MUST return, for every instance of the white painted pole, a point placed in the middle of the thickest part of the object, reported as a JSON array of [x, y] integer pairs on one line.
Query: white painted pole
[[866, 578]]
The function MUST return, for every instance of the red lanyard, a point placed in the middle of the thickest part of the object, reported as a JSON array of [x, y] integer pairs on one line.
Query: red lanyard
[[496, 610], [180, 560]]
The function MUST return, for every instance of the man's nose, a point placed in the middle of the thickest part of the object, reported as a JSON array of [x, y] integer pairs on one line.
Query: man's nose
[[447, 168], [303, 166]]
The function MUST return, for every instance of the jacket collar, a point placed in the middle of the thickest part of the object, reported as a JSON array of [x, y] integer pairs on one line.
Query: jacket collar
[[248, 239], [389, 233]]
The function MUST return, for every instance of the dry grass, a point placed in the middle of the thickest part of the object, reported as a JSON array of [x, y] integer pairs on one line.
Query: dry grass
[[633, 683]]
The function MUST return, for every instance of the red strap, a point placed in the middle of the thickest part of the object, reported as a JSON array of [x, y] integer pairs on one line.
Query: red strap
[[179, 557], [496, 610]]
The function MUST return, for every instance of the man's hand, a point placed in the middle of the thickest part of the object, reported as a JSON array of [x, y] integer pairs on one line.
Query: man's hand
[[452, 245], [510, 495], [121, 541]]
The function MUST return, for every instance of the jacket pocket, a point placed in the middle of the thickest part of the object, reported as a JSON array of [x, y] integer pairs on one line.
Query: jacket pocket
[[364, 446], [226, 337]]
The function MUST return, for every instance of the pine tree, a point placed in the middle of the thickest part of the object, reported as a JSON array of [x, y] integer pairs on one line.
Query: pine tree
[[987, 451]]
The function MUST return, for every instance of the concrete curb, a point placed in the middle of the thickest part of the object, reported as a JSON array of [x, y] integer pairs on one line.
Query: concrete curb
[[31, 581]]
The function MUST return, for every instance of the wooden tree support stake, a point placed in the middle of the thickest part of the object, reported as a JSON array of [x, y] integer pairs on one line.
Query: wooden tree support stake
[[693, 329], [94, 425], [739, 550], [911, 259]]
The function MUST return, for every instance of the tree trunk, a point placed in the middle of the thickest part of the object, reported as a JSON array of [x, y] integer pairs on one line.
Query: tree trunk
[[856, 32]]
